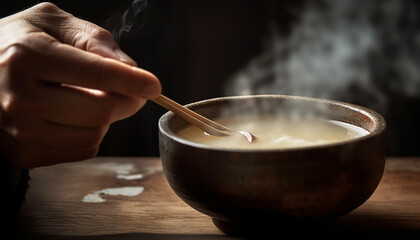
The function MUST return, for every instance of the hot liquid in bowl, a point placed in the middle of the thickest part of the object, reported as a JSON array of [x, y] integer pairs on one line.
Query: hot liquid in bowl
[[243, 189], [276, 132]]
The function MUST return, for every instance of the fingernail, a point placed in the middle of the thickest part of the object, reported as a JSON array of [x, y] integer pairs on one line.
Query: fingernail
[[151, 87], [153, 90], [123, 57]]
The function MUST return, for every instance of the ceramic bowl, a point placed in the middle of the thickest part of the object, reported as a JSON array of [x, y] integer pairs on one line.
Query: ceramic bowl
[[242, 189]]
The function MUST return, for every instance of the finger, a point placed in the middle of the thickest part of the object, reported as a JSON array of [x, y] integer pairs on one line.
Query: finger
[[72, 138], [100, 41], [92, 38], [35, 154], [76, 107], [56, 135], [67, 137], [61, 63], [25, 152], [71, 106]]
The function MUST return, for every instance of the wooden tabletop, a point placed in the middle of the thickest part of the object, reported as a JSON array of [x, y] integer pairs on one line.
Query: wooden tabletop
[[80, 201]]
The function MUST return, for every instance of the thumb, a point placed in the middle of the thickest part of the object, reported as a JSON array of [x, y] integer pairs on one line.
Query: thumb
[[92, 38], [99, 41]]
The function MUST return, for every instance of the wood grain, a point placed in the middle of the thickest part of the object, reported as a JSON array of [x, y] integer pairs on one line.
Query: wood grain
[[54, 208]]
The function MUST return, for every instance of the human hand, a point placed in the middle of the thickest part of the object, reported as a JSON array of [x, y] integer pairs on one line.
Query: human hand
[[63, 81]]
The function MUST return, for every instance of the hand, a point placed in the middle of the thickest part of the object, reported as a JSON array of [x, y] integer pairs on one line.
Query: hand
[[63, 81]]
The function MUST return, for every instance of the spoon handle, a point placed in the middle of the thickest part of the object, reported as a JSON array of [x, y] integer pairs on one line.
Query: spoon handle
[[192, 117]]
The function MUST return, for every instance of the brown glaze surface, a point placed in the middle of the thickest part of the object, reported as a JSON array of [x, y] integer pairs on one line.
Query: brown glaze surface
[[239, 188]]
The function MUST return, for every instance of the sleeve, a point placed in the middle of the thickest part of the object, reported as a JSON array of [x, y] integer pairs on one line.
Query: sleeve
[[15, 183]]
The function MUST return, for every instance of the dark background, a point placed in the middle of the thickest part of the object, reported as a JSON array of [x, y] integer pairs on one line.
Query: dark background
[[193, 47]]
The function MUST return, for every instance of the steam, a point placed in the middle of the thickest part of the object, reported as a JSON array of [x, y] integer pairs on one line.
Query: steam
[[126, 24], [354, 51]]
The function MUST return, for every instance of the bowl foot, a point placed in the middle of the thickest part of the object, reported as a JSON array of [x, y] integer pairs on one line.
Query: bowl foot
[[249, 227], [271, 226]]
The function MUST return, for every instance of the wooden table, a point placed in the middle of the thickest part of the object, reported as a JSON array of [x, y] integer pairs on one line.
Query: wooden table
[[55, 208]]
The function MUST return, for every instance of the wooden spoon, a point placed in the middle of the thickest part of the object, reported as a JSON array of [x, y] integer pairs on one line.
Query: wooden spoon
[[198, 120]]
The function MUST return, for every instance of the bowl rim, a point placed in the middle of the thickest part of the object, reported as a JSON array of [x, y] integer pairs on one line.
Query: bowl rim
[[375, 117]]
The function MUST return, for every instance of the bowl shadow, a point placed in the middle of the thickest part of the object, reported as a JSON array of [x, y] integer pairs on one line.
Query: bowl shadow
[[346, 227]]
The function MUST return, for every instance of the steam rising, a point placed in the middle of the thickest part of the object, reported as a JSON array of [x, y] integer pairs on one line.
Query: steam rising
[[126, 24], [354, 51]]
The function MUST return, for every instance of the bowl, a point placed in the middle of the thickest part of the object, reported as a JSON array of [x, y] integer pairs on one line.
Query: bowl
[[244, 189]]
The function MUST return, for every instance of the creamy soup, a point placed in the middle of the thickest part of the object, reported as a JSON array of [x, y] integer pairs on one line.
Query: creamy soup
[[276, 133]]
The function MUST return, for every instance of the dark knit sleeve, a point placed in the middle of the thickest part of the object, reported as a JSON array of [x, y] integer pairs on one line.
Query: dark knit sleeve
[[15, 182]]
